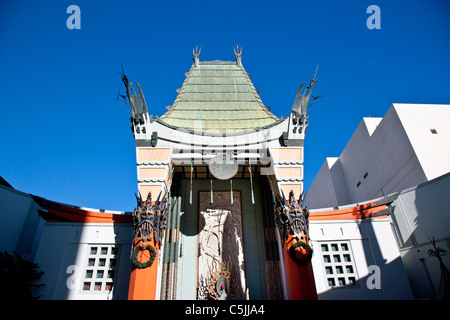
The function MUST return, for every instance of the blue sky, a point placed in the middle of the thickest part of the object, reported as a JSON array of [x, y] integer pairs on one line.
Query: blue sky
[[66, 137]]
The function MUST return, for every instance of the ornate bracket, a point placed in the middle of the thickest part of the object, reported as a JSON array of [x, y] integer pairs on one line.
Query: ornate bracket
[[149, 220], [291, 218]]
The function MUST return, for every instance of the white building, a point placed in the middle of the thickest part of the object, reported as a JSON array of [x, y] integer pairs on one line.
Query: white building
[[72, 252], [394, 246], [409, 146], [405, 155]]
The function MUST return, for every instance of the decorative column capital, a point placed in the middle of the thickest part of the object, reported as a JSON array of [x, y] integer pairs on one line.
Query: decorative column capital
[[149, 223], [291, 217]]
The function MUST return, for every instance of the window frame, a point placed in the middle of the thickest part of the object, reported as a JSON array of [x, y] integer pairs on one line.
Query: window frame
[[339, 262], [105, 263]]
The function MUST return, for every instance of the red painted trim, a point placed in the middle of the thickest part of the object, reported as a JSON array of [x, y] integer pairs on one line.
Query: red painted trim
[[353, 213], [56, 212], [76, 215]]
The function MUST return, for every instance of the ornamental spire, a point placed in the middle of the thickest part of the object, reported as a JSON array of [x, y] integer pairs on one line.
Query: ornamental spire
[[238, 54], [196, 53]]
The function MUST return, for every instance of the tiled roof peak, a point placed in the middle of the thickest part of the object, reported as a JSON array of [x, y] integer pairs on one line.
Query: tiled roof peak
[[218, 95]]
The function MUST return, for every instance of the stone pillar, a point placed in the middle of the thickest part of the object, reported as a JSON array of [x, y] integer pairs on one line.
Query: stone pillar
[[154, 171], [286, 182]]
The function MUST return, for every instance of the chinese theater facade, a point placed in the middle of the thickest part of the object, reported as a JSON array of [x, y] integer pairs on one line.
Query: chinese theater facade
[[219, 211]]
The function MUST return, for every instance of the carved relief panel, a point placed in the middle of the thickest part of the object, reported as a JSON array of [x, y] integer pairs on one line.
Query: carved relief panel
[[221, 273]]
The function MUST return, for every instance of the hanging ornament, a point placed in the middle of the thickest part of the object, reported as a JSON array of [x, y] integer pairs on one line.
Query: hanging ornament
[[251, 180], [212, 201], [190, 191], [231, 187]]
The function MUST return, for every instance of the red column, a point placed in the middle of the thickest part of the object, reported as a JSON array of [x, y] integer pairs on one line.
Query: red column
[[143, 280], [300, 276]]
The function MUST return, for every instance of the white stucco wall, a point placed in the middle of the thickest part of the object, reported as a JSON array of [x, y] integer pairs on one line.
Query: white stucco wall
[[432, 150], [421, 213], [372, 243], [21, 224], [322, 192], [386, 155], [63, 254]]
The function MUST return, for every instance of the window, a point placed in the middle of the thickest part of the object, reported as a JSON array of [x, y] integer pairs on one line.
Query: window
[[339, 266], [86, 286], [100, 268], [331, 282]]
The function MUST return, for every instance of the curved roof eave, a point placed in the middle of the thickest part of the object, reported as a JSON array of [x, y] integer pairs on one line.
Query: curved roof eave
[[206, 133]]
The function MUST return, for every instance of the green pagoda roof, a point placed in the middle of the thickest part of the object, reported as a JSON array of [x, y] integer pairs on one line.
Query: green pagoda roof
[[221, 95]]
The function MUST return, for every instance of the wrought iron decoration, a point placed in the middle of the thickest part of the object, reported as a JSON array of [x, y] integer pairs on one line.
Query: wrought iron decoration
[[220, 282], [136, 102], [300, 108], [291, 218], [149, 220]]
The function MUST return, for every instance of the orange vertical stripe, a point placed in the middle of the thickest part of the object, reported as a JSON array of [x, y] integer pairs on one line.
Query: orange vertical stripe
[[143, 281], [300, 277]]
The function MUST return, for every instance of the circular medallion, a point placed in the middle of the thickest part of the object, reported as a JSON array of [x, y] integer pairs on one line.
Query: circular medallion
[[223, 166], [221, 286]]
